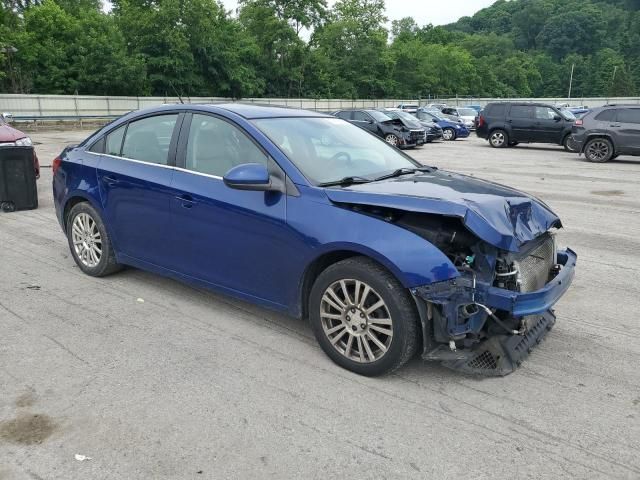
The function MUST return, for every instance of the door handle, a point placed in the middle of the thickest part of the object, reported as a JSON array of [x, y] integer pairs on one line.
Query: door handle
[[614, 125], [187, 200], [109, 180]]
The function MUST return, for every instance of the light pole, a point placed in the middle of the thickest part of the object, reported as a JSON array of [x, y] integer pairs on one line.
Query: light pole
[[573, 65]]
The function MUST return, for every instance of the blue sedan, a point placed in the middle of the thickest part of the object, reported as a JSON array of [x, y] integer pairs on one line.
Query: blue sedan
[[310, 215], [450, 130]]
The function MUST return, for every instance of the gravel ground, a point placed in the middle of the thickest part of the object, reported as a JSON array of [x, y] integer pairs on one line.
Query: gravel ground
[[190, 384]]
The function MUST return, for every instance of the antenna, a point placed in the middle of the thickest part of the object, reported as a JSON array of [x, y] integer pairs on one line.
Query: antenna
[[176, 91]]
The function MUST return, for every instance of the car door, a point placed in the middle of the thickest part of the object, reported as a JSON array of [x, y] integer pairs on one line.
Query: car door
[[364, 120], [548, 125], [134, 176], [520, 120], [627, 127], [234, 239]]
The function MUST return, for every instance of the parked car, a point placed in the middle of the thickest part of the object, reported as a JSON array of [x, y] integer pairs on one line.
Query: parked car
[[311, 216], [394, 132], [477, 108], [431, 132], [467, 115], [509, 123], [607, 132], [451, 118], [11, 137], [438, 106], [410, 108], [450, 130]]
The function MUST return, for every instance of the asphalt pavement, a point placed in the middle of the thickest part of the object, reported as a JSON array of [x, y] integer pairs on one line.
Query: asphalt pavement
[[136, 376]]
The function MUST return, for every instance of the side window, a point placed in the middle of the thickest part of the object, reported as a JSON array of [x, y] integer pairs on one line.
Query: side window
[[449, 111], [98, 147], [359, 116], [607, 115], [114, 141], [216, 146], [629, 115], [149, 139], [344, 115], [497, 110], [545, 113], [521, 111]]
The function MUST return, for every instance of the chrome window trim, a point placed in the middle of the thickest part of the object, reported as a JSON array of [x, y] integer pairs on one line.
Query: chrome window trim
[[172, 167]]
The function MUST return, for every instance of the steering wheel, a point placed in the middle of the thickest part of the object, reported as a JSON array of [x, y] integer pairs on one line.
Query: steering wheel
[[343, 155]]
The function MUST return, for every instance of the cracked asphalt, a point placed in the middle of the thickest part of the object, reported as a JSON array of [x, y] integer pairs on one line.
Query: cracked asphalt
[[191, 384]]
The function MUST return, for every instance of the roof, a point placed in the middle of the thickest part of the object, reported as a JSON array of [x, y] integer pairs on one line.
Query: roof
[[253, 111]]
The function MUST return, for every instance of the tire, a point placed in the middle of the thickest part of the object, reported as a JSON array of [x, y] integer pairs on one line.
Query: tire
[[569, 145], [449, 134], [598, 150], [89, 241], [391, 139], [330, 309], [498, 139]]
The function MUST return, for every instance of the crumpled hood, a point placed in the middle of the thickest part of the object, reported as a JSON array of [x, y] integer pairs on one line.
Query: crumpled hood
[[9, 134], [501, 216]]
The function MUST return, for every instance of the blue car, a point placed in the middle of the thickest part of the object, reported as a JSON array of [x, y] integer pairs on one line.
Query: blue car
[[312, 216], [450, 130]]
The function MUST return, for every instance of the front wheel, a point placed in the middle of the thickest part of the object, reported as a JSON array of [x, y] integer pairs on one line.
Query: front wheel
[[499, 139], [363, 318], [391, 139], [598, 150], [89, 241], [569, 144], [448, 134]]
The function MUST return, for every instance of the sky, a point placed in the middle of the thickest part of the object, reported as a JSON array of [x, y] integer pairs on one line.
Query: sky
[[437, 12]]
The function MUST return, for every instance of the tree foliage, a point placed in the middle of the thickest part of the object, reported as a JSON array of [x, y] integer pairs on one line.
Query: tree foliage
[[304, 48]]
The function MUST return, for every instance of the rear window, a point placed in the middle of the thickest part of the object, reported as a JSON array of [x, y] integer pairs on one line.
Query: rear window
[[496, 110], [629, 115], [607, 115], [521, 111]]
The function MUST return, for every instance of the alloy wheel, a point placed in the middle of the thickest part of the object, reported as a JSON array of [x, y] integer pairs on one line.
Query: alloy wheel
[[356, 320], [598, 151], [448, 134], [86, 239], [392, 139], [497, 139]]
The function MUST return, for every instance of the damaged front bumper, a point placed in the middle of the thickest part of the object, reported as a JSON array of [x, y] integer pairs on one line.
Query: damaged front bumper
[[478, 328]]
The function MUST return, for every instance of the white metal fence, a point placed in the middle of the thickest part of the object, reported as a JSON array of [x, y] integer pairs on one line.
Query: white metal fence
[[85, 106]]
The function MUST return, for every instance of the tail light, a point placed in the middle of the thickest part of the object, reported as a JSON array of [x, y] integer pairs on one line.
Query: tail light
[[55, 165], [480, 121], [579, 122]]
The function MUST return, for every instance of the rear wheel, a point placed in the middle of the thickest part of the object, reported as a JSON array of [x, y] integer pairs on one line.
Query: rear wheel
[[598, 150], [498, 139], [89, 241], [448, 134], [363, 318]]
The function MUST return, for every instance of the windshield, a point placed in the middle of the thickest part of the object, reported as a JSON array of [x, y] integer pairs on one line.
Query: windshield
[[567, 114], [329, 149], [467, 112], [422, 115], [378, 116]]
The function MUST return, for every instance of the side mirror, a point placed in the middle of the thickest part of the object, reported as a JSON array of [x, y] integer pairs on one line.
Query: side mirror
[[434, 120], [557, 118], [7, 117], [248, 176]]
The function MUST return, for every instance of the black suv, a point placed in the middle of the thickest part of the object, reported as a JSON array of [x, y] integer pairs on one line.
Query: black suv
[[509, 123], [394, 131], [606, 132]]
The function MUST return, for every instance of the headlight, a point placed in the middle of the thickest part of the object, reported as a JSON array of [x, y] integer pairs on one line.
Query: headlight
[[24, 142]]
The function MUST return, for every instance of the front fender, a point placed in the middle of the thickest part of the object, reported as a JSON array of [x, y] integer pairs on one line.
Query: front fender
[[413, 260]]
